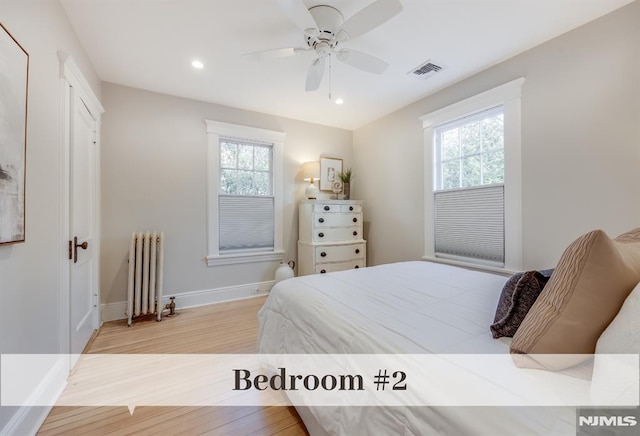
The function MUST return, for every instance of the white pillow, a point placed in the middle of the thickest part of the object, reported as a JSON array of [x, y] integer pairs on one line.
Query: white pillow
[[615, 378], [623, 334]]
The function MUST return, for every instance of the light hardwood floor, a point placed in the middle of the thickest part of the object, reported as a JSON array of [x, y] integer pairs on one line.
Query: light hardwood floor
[[221, 328]]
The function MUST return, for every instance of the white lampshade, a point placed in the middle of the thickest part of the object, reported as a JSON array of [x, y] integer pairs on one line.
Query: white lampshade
[[311, 171]]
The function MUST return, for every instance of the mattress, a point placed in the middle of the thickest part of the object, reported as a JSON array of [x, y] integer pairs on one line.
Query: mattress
[[405, 308]]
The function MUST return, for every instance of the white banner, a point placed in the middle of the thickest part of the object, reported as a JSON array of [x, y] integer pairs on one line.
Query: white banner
[[319, 380]]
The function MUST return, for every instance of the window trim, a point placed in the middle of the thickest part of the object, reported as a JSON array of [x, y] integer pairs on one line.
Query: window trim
[[215, 131], [509, 95]]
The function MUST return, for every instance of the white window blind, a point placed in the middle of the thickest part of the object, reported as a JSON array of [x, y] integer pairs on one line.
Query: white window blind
[[246, 223], [469, 223]]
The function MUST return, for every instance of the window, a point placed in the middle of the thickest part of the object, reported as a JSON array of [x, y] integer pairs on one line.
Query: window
[[245, 204], [470, 151], [473, 180], [469, 154], [245, 196]]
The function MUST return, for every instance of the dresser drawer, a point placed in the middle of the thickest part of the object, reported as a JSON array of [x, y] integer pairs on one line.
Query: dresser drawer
[[333, 208], [327, 219], [335, 234], [322, 268], [339, 253], [326, 208]]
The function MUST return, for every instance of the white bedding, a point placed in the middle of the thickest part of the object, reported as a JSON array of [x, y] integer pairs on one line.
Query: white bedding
[[408, 308]]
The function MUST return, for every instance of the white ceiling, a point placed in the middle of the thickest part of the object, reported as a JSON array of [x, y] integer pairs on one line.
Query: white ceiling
[[150, 44]]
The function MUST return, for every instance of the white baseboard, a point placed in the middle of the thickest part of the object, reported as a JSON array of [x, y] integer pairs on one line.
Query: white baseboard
[[117, 310], [27, 420]]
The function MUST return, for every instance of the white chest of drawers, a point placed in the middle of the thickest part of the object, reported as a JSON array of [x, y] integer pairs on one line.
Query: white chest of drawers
[[330, 237]]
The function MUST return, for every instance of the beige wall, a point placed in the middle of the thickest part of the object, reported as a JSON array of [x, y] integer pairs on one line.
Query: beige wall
[[580, 145], [154, 156], [30, 272]]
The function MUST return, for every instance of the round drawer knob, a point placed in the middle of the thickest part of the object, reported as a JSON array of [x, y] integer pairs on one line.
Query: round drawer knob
[[323, 254], [327, 208], [322, 271], [357, 251], [321, 235], [355, 233], [357, 266], [350, 207], [355, 220], [321, 220]]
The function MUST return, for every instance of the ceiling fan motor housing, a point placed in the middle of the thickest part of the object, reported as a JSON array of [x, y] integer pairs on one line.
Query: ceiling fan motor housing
[[329, 20]]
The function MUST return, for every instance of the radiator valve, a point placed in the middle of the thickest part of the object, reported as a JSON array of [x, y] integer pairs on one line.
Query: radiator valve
[[171, 306]]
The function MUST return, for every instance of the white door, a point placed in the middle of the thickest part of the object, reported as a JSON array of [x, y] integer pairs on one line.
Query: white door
[[83, 298]]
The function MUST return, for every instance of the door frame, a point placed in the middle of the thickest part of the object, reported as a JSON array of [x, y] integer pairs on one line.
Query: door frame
[[72, 77]]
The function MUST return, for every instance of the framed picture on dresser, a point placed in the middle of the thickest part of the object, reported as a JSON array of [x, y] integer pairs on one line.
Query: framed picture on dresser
[[330, 167]]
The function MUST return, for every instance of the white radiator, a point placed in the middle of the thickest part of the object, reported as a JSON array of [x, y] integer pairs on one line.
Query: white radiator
[[146, 259]]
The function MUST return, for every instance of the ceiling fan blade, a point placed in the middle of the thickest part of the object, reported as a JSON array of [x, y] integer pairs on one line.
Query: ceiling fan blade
[[275, 53], [362, 61], [369, 18], [298, 13], [314, 75]]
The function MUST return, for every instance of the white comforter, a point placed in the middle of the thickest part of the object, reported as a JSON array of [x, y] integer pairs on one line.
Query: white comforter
[[408, 308]]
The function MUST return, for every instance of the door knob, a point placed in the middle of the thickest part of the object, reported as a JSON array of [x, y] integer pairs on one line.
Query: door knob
[[84, 246]]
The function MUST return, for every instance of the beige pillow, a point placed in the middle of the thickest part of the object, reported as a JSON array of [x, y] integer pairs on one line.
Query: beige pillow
[[591, 281]]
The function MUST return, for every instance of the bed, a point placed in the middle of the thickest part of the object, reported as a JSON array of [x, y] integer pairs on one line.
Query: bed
[[405, 308]]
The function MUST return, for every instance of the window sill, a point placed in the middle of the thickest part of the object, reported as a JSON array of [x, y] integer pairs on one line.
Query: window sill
[[234, 259], [469, 265]]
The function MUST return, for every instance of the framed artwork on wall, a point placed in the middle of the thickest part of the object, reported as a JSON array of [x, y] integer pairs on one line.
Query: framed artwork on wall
[[330, 167], [14, 79]]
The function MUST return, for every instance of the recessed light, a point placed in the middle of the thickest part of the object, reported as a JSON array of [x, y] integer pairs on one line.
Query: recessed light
[[339, 101], [197, 64]]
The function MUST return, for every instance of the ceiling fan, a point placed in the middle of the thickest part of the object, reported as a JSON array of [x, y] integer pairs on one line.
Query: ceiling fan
[[325, 30]]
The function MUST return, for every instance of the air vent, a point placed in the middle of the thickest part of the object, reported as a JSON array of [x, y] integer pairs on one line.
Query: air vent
[[426, 70]]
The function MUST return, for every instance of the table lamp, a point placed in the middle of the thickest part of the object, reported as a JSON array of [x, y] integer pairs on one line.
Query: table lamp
[[310, 172]]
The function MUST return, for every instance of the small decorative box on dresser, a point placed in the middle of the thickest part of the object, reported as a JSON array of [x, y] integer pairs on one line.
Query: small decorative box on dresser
[[330, 236]]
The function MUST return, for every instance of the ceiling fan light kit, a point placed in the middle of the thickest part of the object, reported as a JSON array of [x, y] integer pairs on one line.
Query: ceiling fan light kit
[[325, 28]]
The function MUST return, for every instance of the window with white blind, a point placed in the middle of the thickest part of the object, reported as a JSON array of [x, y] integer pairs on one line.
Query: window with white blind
[[246, 196], [473, 180], [245, 189], [469, 190]]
